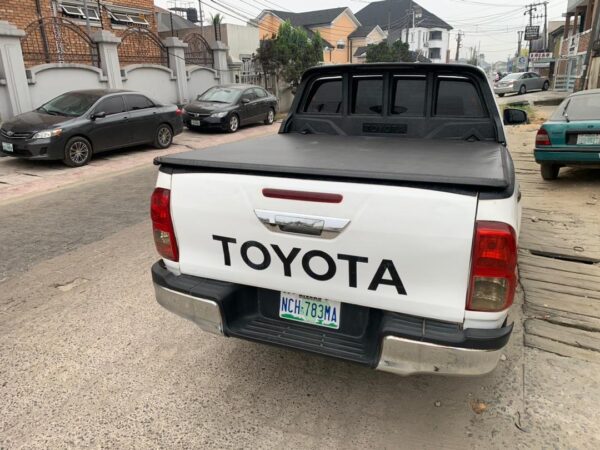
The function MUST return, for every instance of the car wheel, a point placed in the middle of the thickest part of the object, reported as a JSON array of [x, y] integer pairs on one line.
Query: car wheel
[[78, 152], [163, 137], [545, 86], [270, 117], [549, 171], [500, 95], [233, 124], [522, 89]]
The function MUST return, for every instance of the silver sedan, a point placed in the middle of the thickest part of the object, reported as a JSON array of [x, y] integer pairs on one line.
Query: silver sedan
[[521, 83]]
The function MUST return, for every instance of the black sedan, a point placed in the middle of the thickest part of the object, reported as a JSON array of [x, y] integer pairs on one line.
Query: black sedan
[[77, 124], [228, 107]]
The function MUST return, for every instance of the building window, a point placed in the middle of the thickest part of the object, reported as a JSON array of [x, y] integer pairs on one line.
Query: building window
[[123, 18], [435, 35], [78, 12], [435, 53]]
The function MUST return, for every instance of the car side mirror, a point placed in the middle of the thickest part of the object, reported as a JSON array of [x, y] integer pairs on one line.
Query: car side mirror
[[513, 116], [245, 101], [98, 115]]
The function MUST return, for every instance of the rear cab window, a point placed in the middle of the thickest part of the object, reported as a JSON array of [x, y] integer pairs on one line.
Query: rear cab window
[[325, 96], [458, 97], [409, 95], [367, 94]]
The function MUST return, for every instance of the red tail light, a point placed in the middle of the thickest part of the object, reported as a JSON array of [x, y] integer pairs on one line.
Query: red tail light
[[493, 267], [162, 225], [542, 138], [179, 112]]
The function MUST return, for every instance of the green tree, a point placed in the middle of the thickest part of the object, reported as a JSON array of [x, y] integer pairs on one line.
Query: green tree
[[217, 19], [290, 52], [383, 52]]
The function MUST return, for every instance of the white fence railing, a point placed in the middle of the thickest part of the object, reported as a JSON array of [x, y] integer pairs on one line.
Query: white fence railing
[[565, 83]]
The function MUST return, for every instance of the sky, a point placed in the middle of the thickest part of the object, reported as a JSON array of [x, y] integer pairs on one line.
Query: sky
[[488, 24]]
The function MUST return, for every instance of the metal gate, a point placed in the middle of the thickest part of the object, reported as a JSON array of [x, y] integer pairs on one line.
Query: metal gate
[[198, 51], [57, 40], [139, 46]]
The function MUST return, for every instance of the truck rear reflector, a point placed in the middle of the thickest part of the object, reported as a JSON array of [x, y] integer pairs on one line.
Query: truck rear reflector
[[162, 225], [493, 267], [286, 194]]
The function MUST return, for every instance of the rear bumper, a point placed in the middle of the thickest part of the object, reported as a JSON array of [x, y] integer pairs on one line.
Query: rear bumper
[[390, 342], [504, 90], [589, 156]]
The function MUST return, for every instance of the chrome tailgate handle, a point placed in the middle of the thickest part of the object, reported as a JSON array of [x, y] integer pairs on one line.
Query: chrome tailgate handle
[[316, 226]]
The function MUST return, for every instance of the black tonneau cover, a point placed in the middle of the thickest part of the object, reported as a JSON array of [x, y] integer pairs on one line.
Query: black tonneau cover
[[480, 164]]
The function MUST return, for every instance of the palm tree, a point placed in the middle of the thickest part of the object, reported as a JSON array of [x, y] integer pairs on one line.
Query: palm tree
[[216, 21]]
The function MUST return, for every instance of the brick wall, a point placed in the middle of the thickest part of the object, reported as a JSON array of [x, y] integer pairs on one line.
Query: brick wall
[[23, 12]]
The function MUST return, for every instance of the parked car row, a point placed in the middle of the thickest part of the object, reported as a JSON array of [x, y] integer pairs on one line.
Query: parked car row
[[76, 125]]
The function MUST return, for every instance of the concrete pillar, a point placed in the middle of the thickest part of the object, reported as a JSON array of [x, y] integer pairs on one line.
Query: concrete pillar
[[176, 49], [576, 20], [109, 57], [567, 24], [220, 64], [12, 69], [589, 9]]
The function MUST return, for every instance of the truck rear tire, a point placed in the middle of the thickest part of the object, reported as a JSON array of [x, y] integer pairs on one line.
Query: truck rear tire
[[549, 171]]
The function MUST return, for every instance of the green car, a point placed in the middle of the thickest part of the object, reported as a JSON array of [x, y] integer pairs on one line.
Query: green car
[[572, 135]]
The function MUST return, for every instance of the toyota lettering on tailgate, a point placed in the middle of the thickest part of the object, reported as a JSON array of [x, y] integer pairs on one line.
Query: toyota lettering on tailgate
[[386, 272]]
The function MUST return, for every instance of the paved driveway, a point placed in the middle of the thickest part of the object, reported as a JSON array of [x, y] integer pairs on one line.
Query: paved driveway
[[20, 177]]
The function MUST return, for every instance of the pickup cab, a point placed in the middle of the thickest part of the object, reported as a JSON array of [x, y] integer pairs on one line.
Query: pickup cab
[[379, 226]]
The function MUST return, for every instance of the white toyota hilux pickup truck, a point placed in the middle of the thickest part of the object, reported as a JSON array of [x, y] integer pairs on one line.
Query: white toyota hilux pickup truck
[[379, 226]]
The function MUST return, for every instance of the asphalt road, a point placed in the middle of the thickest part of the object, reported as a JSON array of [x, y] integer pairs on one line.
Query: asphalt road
[[49, 225], [89, 359]]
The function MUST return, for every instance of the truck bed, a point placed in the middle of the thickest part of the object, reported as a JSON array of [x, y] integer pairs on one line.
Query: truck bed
[[477, 165]]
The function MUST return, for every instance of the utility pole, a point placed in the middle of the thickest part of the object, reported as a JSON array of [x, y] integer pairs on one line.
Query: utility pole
[[529, 9], [520, 39], [408, 20], [546, 26], [201, 18], [588, 55], [458, 44]]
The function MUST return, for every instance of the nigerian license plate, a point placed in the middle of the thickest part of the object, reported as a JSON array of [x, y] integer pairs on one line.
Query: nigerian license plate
[[312, 310], [7, 147], [195, 123], [588, 139]]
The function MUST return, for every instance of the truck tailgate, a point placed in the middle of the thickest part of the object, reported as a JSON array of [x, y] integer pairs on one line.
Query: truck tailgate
[[399, 248]]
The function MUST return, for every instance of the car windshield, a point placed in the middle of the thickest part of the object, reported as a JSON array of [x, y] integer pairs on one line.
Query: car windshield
[[579, 107], [512, 76], [220, 95], [72, 104]]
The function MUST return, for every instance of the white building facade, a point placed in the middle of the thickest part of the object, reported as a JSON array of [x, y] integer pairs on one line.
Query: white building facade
[[432, 43]]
